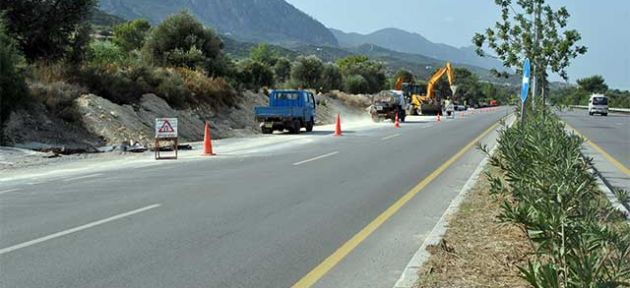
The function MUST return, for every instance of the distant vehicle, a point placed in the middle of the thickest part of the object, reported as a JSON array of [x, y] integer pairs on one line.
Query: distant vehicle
[[492, 103], [598, 103], [387, 104], [289, 110], [460, 107]]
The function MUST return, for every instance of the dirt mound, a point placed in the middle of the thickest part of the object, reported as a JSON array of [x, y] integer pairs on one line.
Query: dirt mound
[[36, 128], [118, 123], [97, 122]]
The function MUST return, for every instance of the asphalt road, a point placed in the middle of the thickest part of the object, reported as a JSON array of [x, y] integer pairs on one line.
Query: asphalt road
[[262, 220], [611, 133]]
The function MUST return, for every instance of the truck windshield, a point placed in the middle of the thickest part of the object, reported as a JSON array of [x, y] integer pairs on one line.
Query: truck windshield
[[600, 101], [287, 96]]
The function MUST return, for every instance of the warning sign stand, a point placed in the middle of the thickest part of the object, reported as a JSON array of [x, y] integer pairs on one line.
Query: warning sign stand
[[166, 131]]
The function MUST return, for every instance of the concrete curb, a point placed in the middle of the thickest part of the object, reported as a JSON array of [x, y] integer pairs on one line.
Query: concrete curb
[[410, 275]]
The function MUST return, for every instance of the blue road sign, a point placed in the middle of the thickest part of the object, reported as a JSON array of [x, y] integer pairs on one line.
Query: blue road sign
[[526, 74]]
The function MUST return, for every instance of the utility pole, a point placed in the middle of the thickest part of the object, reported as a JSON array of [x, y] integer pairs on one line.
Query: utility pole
[[534, 70]]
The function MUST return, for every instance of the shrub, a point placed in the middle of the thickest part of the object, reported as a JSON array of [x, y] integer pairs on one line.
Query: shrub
[[580, 240], [214, 91], [105, 52], [12, 84], [56, 95]]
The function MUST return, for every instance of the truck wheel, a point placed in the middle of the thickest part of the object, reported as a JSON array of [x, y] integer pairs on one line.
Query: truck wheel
[[296, 127], [309, 126], [266, 130]]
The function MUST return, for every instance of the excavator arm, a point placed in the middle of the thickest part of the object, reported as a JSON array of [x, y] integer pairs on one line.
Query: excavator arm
[[448, 69]]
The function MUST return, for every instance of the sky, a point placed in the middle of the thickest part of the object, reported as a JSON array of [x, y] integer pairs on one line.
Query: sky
[[604, 25]]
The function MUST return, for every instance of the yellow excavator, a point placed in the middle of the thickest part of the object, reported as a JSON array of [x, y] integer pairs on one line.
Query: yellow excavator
[[422, 98]]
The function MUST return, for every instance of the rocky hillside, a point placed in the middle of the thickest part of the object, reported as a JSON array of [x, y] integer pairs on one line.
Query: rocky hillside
[[413, 43], [274, 21]]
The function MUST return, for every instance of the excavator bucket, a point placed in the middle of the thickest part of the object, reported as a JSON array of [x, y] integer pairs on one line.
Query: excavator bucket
[[454, 89]]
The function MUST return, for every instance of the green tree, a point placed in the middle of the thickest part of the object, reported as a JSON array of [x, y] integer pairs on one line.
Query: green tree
[[405, 75], [263, 53], [355, 84], [372, 72], [307, 71], [331, 78], [131, 35], [181, 40], [45, 29], [254, 75], [282, 70], [546, 42], [78, 48], [12, 85], [593, 84]]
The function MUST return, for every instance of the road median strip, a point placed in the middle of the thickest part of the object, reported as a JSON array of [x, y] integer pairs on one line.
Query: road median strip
[[560, 227]]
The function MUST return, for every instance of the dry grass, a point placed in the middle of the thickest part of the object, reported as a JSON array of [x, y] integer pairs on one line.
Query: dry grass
[[477, 250]]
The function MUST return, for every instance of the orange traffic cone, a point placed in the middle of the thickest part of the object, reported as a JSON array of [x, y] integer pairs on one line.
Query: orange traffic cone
[[338, 126], [438, 117], [207, 142], [397, 121]]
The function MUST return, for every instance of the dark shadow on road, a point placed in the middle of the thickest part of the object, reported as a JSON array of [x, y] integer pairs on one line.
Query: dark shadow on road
[[314, 133], [416, 122]]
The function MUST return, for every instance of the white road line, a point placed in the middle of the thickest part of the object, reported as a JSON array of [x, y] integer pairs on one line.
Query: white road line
[[10, 190], [316, 158], [390, 137], [82, 177], [76, 229]]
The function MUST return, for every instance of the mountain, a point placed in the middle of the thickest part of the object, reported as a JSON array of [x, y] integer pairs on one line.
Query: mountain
[[413, 43], [273, 21]]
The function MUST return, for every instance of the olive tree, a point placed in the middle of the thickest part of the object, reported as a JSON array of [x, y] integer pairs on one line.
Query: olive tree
[[542, 37], [181, 40]]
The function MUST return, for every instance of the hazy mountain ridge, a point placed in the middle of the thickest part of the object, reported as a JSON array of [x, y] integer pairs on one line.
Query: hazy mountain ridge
[[414, 43], [274, 21]]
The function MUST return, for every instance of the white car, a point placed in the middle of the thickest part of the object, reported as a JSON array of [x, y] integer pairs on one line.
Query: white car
[[598, 104]]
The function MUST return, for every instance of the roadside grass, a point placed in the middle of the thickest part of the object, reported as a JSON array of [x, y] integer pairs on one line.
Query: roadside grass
[[477, 250]]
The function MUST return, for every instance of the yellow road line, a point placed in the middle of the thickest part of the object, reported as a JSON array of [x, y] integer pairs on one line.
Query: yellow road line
[[318, 272], [601, 151]]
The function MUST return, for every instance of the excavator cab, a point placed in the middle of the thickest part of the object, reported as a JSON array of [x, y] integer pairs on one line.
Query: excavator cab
[[423, 98]]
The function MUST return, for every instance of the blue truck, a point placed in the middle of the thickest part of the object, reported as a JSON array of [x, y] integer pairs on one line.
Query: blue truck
[[289, 110]]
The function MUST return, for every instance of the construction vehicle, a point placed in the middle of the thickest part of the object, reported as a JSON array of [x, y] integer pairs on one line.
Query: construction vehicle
[[423, 99], [388, 105]]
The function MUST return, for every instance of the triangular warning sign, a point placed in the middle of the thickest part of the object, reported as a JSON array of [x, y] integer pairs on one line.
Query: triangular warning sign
[[166, 128]]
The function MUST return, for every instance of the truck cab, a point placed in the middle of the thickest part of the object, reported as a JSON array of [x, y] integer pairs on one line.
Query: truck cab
[[289, 110], [598, 103]]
